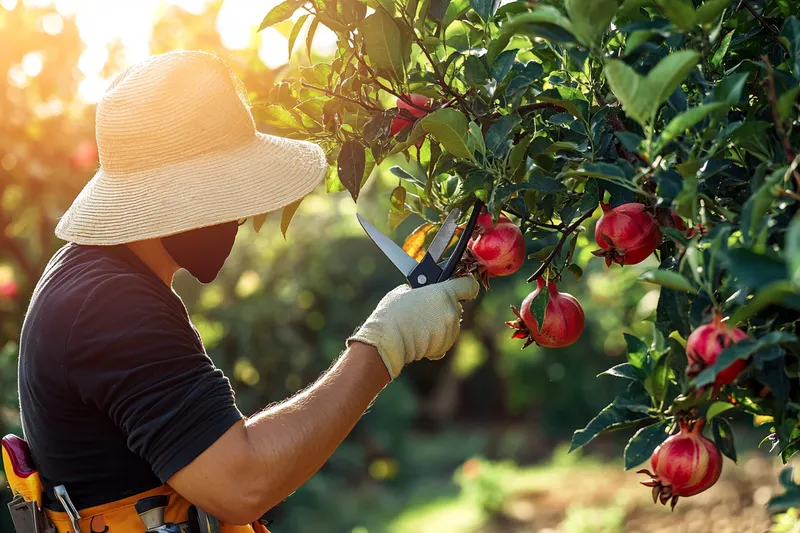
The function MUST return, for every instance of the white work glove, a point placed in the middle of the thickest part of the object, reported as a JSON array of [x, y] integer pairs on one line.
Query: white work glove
[[411, 324]]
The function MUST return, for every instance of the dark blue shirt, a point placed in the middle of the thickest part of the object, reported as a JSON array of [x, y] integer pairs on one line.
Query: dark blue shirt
[[116, 391]]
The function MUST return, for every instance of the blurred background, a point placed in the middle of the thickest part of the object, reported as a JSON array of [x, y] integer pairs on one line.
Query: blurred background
[[475, 442]]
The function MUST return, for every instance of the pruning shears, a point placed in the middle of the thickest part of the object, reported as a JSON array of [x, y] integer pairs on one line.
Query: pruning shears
[[430, 270]]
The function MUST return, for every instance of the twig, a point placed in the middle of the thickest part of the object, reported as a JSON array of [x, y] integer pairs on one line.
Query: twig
[[440, 76], [790, 194], [560, 244], [776, 117], [340, 96], [759, 18]]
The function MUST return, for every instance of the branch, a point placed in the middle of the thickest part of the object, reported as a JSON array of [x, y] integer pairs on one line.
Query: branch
[[340, 96], [761, 20], [776, 117], [440, 77], [560, 244]]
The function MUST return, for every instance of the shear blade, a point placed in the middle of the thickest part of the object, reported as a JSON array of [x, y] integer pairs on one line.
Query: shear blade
[[404, 262], [443, 236]]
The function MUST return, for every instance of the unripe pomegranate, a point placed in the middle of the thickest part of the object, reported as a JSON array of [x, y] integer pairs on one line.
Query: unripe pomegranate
[[495, 249], [400, 121], [704, 346], [683, 465], [563, 319], [626, 234]]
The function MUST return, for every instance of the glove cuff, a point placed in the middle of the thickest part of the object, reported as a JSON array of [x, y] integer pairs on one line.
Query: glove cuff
[[371, 338]]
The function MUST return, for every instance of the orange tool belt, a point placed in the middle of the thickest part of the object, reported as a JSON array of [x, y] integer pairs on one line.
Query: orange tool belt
[[119, 516]]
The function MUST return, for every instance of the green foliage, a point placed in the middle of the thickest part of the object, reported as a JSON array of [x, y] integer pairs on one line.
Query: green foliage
[[683, 105]]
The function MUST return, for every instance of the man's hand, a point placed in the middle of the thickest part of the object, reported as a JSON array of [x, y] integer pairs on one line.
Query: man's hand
[[412, 324]]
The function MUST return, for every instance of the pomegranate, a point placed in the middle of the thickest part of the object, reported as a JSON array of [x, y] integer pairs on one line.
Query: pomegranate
[[563, 319], [704, 345], [494, 249], [668, 218], [400, 121], [683, 465], [8, 289], [626, 234]]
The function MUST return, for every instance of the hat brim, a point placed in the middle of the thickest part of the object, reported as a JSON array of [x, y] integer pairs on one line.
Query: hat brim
[[259, 176]]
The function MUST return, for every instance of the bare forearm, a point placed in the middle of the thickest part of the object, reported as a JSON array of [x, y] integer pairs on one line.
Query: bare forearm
[[293, 439]]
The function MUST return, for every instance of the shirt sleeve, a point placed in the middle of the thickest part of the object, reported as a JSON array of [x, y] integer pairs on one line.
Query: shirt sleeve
[[134, 354]]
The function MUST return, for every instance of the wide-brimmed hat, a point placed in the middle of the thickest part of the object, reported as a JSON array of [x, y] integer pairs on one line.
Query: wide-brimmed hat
[[179, 150]]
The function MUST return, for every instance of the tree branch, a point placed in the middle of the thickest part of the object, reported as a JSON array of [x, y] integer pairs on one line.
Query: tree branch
[[340, 96], [761, 20], [560, 245]]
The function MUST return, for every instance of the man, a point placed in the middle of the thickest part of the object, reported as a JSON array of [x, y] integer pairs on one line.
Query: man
[[119, 400]]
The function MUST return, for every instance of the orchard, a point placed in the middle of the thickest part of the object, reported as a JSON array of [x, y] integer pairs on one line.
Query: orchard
[[677, 118]]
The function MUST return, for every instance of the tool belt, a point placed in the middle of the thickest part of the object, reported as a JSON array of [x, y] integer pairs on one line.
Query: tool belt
[[160, 510]]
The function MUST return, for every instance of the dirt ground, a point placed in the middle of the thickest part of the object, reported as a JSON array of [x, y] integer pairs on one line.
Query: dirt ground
[[606, 500]]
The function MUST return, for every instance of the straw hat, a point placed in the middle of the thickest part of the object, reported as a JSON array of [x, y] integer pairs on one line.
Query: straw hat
[[179, 150]]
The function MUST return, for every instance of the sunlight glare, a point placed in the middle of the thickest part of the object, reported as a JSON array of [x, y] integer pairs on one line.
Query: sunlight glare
[[274, 48], [238, 20], [92, 88], [92, 60], [195, 7], [8, 5], [66, 7], [32, 64], [52, 23]]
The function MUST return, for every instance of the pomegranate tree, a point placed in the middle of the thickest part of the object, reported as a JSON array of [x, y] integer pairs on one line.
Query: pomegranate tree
[[683, 465], [626, 234], [563, 319], [547, 110]]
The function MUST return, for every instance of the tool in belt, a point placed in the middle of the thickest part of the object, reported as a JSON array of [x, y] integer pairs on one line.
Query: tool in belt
[[29, 516], [429, 270]]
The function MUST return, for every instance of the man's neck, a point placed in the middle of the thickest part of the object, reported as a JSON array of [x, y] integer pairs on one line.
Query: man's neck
[[152, 253]]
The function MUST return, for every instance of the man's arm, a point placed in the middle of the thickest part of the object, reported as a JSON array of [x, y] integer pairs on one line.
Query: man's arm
[[258, 463]]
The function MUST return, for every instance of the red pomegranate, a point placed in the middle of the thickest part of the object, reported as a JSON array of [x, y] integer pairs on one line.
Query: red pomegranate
[[8, 289], [704, 346], [400, 121], [683, 465], [626, 234], [495, 249], [668, 218], [563, 319], [85, 155]]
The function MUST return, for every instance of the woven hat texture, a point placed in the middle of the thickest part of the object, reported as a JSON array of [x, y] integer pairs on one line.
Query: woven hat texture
[[179, 150]]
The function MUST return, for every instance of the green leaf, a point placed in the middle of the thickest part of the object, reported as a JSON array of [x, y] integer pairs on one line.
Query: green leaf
[[757, 206], [790, 498], [622, 370], [383, 42], [786, 102], [717, 408], [287, 214], [626, 410], [729, 90], [668, 278], [539, 306], [637, 351], [591, 196], [790, 37], [644, 442], [497, 45], [772, 293], [312, 30], [295, 32], [280, 13], [498, 133], [742, 350], [637, 38], [502, 65], [679, 12], [475, 139], [484, 8], [397, 207], [279, 116], [544, 184], [668, 74], [401, 173], [450, 128], [685, 121], [719, 55], [258, 221], [518, 154], [629, 89], [657, 382], [723, 438], [590, 19], [792, 249], [544, 21], [710, 10], [350, 166], [576, 270]]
